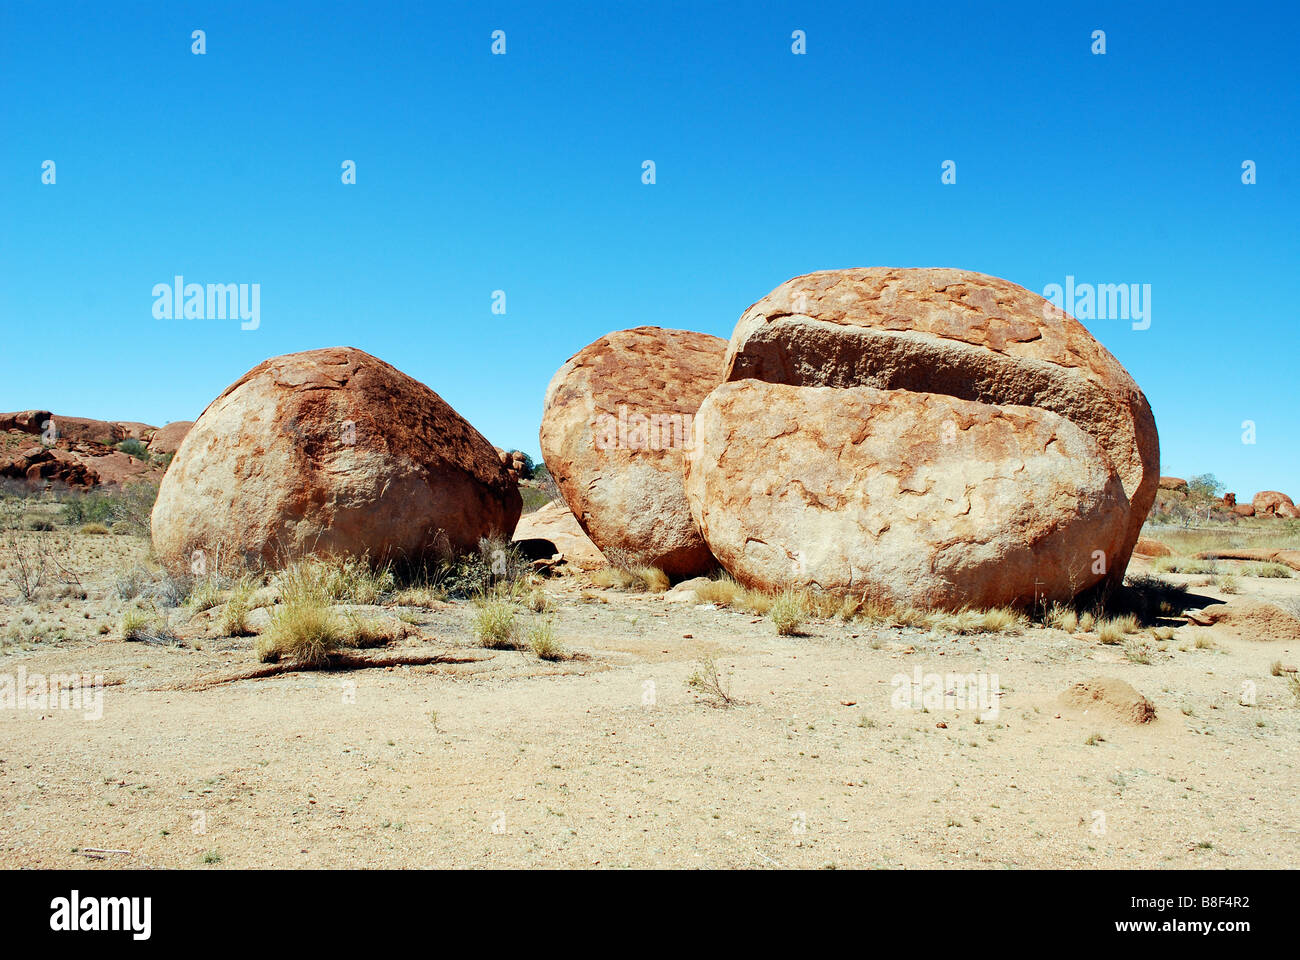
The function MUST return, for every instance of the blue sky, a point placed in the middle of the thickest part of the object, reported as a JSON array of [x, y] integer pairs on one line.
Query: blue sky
[[522, 173]]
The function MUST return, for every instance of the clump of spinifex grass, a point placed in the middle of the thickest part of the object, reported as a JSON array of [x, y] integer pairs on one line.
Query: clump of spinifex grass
[[787, 613], [304, 630], [640, 579], [542, 641], [234, 617], [494, 624]]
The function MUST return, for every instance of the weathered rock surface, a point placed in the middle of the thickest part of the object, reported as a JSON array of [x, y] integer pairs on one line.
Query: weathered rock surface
[[167, 439], [40, 465], [135, 430], [1173, 483], [616, 422], [915, 498], [555, 523], [329, 452], [960, 334]]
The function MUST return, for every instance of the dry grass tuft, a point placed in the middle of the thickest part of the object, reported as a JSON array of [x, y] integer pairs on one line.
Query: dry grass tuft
[[494, 624], [788, 612], [334, 580], [305, 631], [234, 618], [543, 643], [639, 579]]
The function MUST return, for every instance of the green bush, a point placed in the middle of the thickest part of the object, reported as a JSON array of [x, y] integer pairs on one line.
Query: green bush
[[135, 448]]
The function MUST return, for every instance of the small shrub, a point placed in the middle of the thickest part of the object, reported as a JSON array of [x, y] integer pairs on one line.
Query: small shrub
[[371, 632], [1063, 618], [497, 568], [135, 624], [1275, 571], [1137, 651], [94, 530], [336, 580], [141, 625], [708, 684], [171, 591], [129, 584], [652, 579], [134, 448]]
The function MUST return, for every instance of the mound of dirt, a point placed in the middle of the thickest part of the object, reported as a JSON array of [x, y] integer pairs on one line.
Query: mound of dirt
[[1110, 698], [1252, 619]]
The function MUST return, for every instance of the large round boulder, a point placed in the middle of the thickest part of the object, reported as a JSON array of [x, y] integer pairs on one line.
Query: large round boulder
[[329, 452], [958, 334], [914, 498], [1273, 503], [616, 422]]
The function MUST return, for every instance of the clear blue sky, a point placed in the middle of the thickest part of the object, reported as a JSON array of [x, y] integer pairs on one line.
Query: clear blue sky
[[523, 173]]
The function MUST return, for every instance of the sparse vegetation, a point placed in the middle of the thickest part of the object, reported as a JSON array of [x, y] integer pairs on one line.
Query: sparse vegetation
[[141, 625], [709, 685], [1138, 651], [496, 568], [135, 448], [1273, 571], [206, 595], [347, 580]]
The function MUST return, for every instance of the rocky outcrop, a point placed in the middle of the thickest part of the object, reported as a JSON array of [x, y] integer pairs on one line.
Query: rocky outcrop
[[555, 524]]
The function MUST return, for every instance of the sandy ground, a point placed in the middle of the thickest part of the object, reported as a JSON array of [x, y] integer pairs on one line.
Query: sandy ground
[[614, 760]]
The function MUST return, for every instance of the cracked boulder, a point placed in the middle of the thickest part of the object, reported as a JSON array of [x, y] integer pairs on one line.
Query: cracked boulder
[[616, 422], [916, 498], [329, 452], [955, 340]]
